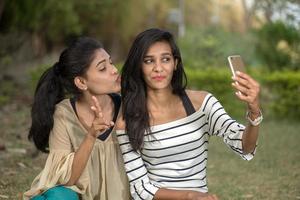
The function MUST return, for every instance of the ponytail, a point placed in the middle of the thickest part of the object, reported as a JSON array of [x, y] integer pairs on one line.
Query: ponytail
[[48, 93]]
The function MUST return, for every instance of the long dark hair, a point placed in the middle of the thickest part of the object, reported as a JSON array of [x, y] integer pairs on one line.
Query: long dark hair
[[134, 90], [55, 82]]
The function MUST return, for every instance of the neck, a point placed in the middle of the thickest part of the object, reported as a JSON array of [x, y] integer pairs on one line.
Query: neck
[[104, 101], [161, 99]]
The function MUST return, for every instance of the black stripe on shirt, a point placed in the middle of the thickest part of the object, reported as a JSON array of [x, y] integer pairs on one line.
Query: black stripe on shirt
[[179, 177], [197, 129], [173, 161], [177, 145], [146, 188], [173, 154], [155, 132], [206, 103]]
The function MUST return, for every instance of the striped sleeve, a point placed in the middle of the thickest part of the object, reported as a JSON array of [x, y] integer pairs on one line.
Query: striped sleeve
[[222, 125], [140, 185]]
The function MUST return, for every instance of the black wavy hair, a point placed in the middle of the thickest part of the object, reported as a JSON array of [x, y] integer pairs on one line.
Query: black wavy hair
[[133, 86], [55, 83]]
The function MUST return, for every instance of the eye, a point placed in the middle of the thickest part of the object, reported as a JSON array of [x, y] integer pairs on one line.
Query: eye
[[148, 61], [102, 68], [166, 59]]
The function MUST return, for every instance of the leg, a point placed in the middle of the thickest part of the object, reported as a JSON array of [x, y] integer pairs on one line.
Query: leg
[[57, 193]]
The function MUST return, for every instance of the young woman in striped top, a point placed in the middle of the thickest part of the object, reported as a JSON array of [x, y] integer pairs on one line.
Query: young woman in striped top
[[164, 129]]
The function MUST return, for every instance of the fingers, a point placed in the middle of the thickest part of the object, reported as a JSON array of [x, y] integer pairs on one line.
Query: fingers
[[248, 87], [99, 124], [96, 107]]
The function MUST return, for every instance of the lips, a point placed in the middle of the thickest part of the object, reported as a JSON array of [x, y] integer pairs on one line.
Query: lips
[[158, 78], [118, 79]]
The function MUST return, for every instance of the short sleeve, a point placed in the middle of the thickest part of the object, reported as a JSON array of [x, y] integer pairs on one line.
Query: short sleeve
[[222, 125], [58, 166], [140, 185]]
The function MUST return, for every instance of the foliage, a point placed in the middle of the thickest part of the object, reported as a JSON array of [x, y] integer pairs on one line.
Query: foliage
[[210, 46], [280, 96], [8, 88], [278, 46], [217, 82], [35, 75], [284, 88], [51, 19]]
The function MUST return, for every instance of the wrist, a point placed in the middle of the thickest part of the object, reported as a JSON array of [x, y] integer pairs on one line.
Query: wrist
[[90, 136], [254, 118]]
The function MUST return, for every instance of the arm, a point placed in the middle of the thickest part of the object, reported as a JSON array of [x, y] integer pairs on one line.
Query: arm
[[168, 194], [82, 155], [141, 186], [250, 90]]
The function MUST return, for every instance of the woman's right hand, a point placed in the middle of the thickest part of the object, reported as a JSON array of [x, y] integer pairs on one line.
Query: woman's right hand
[[201, 196], [99, 124]]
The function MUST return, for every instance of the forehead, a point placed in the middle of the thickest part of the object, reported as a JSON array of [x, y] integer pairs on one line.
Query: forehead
[[101, 54], [158, 48]]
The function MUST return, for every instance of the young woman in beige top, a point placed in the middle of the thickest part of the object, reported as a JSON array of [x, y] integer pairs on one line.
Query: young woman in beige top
[[84, 160]]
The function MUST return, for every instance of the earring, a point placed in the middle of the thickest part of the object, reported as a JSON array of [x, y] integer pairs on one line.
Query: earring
[[85, 88]]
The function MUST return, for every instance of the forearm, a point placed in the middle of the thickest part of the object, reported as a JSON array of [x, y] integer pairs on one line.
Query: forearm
[[168, 194], [249, 138], [250, 135], [81, 158]]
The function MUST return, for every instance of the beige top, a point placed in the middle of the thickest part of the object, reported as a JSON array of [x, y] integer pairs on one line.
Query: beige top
[[104, 176]]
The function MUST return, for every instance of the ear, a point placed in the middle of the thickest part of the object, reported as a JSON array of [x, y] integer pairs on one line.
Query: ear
[[176, 62], [80, 83]]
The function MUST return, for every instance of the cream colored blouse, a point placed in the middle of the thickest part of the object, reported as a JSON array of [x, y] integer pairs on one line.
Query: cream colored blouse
[[104, 176]]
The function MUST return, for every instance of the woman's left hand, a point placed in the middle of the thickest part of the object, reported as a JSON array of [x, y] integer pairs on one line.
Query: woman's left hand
[[249, 90]]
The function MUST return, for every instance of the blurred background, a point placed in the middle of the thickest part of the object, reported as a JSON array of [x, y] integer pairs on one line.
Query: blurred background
[[266, 33]]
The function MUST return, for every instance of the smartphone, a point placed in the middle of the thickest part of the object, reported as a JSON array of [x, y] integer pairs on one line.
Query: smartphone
[[236, 64]]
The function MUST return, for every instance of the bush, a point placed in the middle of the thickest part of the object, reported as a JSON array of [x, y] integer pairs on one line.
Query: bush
[[35, 75], [278, 46], [217, 82], [280, 91], [284, 90]]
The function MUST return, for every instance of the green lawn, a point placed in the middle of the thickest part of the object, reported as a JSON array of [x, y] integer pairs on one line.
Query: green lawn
[[274, 173]]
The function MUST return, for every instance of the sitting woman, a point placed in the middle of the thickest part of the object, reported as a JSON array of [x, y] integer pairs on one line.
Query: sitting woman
[[84, 160], [164, 129]]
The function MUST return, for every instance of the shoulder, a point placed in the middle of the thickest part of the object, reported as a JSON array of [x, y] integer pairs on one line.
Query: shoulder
[[197, 97], [63, 109]]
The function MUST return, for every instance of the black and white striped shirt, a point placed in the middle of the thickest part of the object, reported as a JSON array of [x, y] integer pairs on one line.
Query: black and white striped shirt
[[174, 154]]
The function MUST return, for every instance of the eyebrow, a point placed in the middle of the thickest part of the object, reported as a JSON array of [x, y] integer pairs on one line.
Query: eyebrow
[[163, 54], [102, 61]]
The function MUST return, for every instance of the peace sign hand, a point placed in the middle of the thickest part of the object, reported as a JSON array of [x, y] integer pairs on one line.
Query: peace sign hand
[[249, 90], [99, 124]]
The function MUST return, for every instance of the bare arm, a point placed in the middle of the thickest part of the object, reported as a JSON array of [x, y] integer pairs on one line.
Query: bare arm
[[250, 90], [167, 194]]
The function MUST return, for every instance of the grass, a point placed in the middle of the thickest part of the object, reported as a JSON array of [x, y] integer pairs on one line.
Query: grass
[[274, 173]]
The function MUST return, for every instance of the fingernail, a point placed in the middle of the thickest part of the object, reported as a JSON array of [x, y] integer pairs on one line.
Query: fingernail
[[237, 93], [238, 72]]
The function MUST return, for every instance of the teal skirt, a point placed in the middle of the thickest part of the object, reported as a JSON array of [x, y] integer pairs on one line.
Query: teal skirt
[[57, 193]]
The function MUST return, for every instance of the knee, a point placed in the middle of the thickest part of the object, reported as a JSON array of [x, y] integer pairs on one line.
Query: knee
[[58, 193]]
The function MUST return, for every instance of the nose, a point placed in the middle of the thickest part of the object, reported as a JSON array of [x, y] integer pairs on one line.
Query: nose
[[158, 67], [114, 69]]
